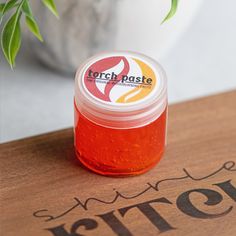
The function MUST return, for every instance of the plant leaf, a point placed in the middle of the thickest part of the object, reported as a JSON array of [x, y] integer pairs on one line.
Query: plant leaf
[[30, 20], [11, 36], [51, 6], [2, 6], [5, 7], [173, 9], [33, 27]]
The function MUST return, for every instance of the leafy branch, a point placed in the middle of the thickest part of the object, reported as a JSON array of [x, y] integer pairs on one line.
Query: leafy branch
[[11, 33]]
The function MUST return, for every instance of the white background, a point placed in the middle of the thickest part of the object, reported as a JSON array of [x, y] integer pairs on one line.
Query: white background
[[35, 100]]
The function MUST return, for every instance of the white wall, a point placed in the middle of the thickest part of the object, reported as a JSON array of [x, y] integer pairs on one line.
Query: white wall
[[140, 27]]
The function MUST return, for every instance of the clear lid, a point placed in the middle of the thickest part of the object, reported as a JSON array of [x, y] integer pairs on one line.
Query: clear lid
[[121, 90]]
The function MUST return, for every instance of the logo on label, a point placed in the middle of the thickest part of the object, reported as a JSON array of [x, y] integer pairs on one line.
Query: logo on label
[[119, 79]]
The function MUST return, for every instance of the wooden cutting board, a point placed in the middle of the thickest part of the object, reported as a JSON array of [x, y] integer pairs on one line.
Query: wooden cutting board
[[44, 190]]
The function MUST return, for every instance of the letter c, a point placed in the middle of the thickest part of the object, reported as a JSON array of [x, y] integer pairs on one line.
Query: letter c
[[213, 198]]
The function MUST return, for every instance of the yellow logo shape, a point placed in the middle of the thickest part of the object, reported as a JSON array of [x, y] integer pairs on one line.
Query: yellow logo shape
[[139, 93]]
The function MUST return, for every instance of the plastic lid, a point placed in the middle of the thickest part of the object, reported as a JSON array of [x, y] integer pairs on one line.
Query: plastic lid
[[121, 90]]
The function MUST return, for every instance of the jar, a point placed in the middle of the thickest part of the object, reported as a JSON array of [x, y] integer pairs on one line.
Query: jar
[[120, 113]]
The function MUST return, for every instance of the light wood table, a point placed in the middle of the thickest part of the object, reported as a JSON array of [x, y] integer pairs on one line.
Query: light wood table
[[44, 191]]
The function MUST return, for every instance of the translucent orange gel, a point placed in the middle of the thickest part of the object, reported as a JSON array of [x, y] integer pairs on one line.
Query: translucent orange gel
[[119, 152]]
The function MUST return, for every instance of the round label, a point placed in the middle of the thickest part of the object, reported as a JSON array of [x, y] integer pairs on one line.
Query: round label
[[120, 79]]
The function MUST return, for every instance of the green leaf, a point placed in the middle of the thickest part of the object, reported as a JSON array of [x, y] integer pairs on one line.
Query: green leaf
[[51, 6], [5, 7], [1, 7], [30, 20], [173, 9], [11, 36]]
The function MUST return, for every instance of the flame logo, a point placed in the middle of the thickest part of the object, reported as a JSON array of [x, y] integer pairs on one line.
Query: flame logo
[[110, 91]]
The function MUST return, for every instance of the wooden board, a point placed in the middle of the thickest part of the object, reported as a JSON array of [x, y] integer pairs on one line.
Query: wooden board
[[44, 191]]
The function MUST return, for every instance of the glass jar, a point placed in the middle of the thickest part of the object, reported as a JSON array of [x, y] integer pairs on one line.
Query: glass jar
[[120, 113]]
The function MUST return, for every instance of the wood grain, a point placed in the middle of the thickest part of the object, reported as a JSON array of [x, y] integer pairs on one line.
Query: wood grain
[[41, 173]]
